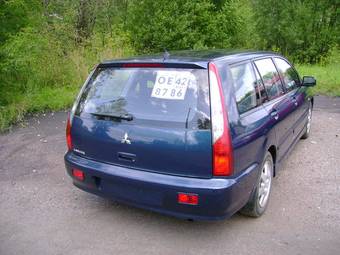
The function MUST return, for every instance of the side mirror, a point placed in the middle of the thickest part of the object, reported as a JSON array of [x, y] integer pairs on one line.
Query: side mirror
[[308, 81]]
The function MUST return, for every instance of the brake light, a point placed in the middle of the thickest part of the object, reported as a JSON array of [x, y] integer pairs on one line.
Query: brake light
[[222, 147], [190, 199], [141, 65], [78, 174], [68, 134]]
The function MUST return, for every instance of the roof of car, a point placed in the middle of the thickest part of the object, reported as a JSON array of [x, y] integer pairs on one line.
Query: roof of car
[[198, 57]]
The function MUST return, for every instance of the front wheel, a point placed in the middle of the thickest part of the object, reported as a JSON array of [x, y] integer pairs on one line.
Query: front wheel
[[309, 122], [258, 201]]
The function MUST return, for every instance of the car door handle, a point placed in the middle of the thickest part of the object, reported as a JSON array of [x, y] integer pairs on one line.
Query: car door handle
[[274, 114], [293, 98], [295, 102]]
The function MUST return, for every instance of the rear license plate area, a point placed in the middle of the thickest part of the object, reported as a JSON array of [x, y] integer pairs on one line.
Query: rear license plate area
[[131, 193]]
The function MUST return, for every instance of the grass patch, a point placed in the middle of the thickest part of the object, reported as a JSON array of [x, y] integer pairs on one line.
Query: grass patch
[[327, 76], [43, 99], [39, 80]]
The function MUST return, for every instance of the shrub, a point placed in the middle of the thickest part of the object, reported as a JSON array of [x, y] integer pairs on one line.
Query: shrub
[[180, 24]]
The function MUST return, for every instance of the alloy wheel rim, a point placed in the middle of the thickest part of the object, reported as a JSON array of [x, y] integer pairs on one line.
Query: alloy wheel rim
[[265, 183]]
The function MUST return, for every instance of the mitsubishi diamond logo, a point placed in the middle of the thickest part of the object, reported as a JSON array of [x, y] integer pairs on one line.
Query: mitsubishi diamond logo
[[126, 139]]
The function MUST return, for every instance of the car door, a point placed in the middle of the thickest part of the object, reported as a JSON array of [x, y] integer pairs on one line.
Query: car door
[[248, 128], [297, 94], [279, 107]]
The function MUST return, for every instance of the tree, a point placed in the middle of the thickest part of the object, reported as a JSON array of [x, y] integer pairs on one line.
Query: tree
[[305, 30], [180, 24], [86, 17]]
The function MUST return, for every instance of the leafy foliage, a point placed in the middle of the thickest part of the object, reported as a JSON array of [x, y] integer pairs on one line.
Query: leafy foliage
[[304, 30], [180, 24]]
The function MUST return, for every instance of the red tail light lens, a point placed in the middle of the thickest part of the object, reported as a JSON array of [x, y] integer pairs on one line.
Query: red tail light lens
[[222, 160], [78, 174], [222, 146], [68, 134], [190, 199]]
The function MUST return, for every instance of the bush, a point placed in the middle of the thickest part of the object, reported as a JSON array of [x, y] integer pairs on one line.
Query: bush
[[40, 72], [180, 24]]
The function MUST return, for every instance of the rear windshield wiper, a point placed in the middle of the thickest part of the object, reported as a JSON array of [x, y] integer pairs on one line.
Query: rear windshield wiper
[[125, 116]]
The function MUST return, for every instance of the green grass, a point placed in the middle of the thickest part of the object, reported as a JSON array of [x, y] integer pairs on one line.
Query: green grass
[[44, 99], [327, 76]]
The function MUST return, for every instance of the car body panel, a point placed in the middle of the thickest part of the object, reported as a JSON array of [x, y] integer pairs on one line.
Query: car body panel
[[283, 126], [175, 151], [158, 192]]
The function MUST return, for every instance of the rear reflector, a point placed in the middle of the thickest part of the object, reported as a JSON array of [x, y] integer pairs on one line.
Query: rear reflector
[[78, 174], [190, 199], [222, 146]]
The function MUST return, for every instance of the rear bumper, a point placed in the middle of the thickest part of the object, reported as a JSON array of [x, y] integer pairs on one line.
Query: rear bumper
[[218, 197]]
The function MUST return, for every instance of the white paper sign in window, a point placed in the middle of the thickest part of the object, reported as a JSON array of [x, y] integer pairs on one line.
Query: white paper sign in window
[[172, 84]]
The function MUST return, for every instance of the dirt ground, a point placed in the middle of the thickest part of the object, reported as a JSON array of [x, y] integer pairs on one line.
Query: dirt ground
[[41, 212]]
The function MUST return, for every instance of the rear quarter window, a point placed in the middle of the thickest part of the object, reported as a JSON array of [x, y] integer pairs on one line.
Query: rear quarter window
[[244, 86]]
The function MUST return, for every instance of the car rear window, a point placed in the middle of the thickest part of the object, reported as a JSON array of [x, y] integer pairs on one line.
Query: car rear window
[[149, 94]]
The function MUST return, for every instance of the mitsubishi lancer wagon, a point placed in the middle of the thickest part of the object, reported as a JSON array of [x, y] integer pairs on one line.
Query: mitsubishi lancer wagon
[[194, 134]]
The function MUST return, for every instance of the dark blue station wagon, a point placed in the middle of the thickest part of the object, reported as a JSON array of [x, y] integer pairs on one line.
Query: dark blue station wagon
[[196, 135]]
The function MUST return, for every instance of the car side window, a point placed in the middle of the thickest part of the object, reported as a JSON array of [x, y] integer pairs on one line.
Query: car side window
[[270, 77], [289, 75], [262, 94], [244, 81]]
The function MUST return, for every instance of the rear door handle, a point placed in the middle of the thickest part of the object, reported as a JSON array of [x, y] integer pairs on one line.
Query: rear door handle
[[274, 114]]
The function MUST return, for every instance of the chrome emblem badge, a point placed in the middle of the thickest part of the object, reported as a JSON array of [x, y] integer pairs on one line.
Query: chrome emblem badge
[[126, 139]]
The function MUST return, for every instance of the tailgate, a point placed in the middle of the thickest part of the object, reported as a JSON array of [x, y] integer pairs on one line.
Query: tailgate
[[147, 118]]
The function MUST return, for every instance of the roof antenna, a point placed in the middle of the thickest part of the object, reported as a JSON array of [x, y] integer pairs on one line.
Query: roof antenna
[[166, 54]]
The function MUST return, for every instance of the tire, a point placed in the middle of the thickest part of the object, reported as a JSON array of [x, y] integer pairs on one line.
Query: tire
[[309, 122], [259, 198]]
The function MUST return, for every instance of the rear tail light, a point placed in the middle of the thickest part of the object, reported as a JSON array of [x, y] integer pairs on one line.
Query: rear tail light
[[68, 134], [78, 174], [222, 147], [190, 199]]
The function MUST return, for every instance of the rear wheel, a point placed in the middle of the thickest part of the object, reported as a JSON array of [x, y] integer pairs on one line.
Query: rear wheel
[[258, 201], [309, 121]]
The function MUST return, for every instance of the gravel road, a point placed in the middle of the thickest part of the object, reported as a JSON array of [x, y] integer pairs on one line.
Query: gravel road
[[41, 212]]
